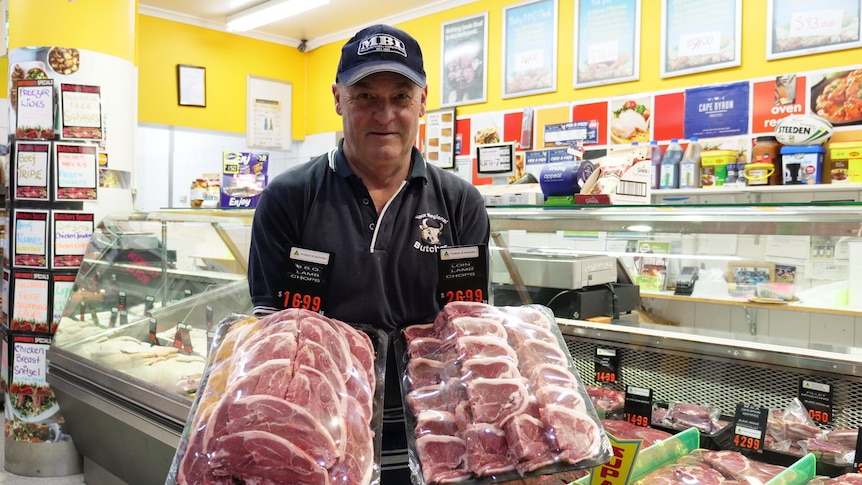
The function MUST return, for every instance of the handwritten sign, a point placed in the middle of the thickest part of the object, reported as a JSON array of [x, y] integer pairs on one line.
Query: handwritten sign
[[72, 233], [29, 302], [82, 112], [803, 28], [29, 364], [62, 285], [32, 166], [35, 109], [30, 239], [76, 171]]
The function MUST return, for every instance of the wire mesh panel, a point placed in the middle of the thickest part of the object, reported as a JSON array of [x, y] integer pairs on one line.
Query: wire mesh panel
[[720, 382]]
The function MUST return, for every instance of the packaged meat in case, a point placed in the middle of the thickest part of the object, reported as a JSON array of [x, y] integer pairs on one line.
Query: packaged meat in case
[[491, 394], [294, 397]]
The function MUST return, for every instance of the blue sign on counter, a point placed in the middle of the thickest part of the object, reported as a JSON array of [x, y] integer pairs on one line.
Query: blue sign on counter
[[536, 157], [716, 110], [560, 155]]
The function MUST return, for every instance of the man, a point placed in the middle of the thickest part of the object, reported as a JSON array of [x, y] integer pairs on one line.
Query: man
[[371, 212]]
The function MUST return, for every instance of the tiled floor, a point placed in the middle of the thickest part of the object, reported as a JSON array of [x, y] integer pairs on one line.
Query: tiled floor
[[7, 478]]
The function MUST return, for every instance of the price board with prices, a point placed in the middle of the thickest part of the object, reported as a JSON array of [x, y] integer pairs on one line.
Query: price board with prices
[[817, 399], [749, 427], [607, 365], [638, 405], [462, 273], [183, 338], [308, 274]]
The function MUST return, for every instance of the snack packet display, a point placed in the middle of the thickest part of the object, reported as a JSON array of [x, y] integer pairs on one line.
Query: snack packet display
[[294, 397], [492, 394]]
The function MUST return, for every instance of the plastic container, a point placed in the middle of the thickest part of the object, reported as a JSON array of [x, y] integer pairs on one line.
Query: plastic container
[[845, 162], [802, 164], [766, 150], [655, 160], [713, 167], [670, 165], [758, 173], [689, 172]]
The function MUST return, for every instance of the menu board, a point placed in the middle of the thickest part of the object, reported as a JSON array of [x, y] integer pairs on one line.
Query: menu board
[[606, 43], [35, 109], [700, 35], [440, 137], [30, 239], [32, 167], [76, 167], [81, 112], [530, 48], [71, 233], [29, 302], [61, 288], [797, 28]]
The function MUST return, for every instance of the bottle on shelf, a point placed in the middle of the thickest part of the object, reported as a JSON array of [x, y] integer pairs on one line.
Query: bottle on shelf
[[670, 165], [655, 162], [689, 170]]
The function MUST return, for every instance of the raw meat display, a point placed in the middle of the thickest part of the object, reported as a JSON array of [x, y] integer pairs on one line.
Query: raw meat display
[[289, 398], [626, 431], [845, 479], [492, 391], [791, 430], [681, 416], [703, 467], [606, 400]]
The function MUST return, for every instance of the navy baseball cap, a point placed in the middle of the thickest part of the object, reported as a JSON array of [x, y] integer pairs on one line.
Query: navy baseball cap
[[380, 48]]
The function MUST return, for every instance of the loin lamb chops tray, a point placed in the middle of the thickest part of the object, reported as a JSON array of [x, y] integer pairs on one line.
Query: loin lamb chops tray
[[294, 397], [715, 428], [491, 394]]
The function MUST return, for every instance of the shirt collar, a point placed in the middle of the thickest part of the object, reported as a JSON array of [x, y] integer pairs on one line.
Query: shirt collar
[[339, 165]]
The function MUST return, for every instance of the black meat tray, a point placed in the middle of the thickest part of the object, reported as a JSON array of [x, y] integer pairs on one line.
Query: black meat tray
[[784, 458], [719, 440]]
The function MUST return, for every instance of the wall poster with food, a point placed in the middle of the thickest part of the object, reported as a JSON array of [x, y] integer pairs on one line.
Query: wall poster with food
[[81, 112], [465, 61], [836, 95], [797, 28], [440, 137], [606, 42], [631, 120], [700, 35], [530, 48]]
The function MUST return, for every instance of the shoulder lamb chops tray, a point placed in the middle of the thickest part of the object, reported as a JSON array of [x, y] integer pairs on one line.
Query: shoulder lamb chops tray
[[491, 394], [294, 397]]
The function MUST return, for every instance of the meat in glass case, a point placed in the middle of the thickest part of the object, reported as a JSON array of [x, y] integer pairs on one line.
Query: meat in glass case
[[132, 342]]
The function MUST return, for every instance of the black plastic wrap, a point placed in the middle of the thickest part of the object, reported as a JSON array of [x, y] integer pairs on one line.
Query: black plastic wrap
[[293, 388], [491, 394]]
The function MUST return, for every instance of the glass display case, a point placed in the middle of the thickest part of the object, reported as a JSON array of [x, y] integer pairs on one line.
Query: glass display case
[[132, 342], [704, 331]]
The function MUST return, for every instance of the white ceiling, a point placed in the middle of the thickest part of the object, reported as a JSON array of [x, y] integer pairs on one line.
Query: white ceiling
[[334, 22]]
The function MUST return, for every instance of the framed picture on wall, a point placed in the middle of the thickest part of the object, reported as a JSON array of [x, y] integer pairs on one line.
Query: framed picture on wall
[[440, 137], [802, 28], [750, 273], [530, 48], [191, 85], [464, 61], [606, 42], [700, 35]]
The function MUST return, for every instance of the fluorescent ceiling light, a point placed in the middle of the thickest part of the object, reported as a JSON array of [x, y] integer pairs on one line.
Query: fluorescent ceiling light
[[269, 12]]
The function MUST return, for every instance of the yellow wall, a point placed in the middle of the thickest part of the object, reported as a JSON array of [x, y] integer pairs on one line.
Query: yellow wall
[[228, 60], [427, 31]]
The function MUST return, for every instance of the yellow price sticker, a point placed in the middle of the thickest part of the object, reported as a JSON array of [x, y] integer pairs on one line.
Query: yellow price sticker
[[618, 469]]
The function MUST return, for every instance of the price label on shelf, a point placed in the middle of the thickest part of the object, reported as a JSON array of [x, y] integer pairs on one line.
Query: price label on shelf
[[154, 326], [607, 365], [462, 272], [817, 399], [638, 405], [749, 427]]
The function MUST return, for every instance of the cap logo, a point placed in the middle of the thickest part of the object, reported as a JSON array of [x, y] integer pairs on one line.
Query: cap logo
[[382, 43]]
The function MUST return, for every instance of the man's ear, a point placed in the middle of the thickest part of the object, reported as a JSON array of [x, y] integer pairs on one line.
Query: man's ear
[[336, 95]]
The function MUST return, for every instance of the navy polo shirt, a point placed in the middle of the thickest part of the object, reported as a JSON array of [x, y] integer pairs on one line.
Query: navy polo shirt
[[384, 266]]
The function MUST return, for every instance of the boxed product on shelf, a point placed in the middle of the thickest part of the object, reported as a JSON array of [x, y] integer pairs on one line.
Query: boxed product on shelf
[[802, 164], [846, 161], [621, 178]]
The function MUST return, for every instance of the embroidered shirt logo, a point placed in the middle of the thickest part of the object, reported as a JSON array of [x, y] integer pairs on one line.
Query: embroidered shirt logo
[[431, 231], [382, 43]]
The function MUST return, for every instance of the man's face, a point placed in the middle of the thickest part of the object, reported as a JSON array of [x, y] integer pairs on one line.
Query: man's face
[[381, 117]]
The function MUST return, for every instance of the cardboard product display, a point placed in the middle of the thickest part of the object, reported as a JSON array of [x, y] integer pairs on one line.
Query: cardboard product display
[[244, 176]]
